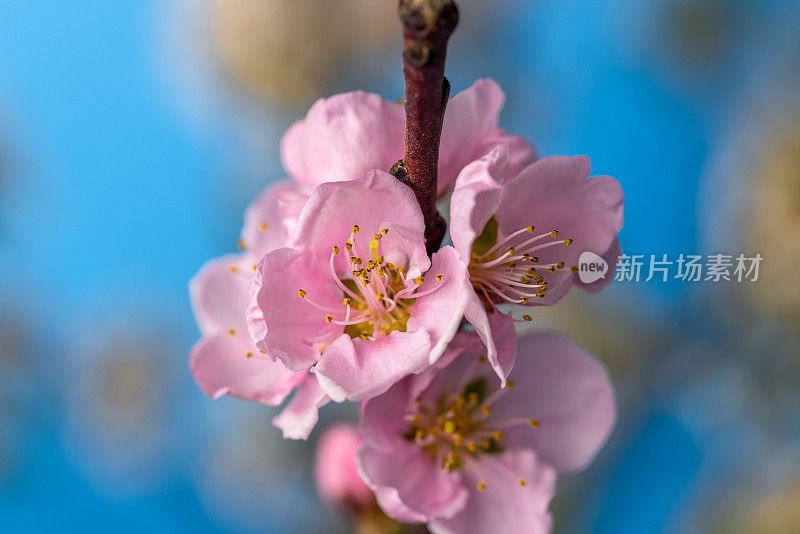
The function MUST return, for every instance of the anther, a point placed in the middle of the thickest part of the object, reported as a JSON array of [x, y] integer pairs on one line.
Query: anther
[[263, 227], [534, 259], [534, 423], [302, 293], [511, 250], [335, 249], [481, 359], [419, 280], [509, 384], [486, 410], [531, 228], [522, 482], [329, 318], [554, 233], [471, 447], [527, 317], [242, 245], [569, 241], [438, 277], [249, 354], [234, 268], [355, 229], [384, 231], [497, 435], [560, 265], [232, 332], [481, 486], [574, 269]]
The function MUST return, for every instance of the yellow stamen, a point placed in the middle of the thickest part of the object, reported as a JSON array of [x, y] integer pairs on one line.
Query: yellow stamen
[[302, 293], [481, 486], [263, 227], [534, 423]]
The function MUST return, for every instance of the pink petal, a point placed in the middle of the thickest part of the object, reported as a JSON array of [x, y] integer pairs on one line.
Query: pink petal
[[476, 198], [568, 391], [219, 295], [421, 486], [498, 334], [343, 137], [270, 218], [369, 202], [390, 502], [231, 365], [521, 152], [504, 505], [358, 369], [336, 472], [470, 118], [280, 322], [440, 312], [300, 416]]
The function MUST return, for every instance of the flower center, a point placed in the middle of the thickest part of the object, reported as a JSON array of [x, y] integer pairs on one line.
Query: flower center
[[457, 427], [509, 270], [377, 297]]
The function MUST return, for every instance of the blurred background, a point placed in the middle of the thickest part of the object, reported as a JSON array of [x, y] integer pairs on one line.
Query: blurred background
[[133, 134]]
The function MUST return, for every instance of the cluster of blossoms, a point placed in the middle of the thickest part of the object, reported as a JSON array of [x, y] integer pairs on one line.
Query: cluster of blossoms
[[333, 298]]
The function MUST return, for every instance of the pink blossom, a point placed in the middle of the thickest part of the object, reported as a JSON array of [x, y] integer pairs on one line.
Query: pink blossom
[[522, 234], [355, 295], [226, 361], [345, 136], [335, 471], [451, 449]]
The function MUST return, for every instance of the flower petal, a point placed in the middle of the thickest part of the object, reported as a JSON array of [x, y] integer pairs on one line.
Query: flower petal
[[368, 202], [219, 295], [300, 416], [280, 322], [231, 365], [421, 486], [504, 505], [270, 218], [440, 312], [336, 471], [476, 198], [343, 137], [470, 118], [498, 334], [568, 391], [357, 369]]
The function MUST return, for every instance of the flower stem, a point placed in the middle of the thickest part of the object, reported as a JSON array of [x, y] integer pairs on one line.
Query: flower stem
[[427, 26]]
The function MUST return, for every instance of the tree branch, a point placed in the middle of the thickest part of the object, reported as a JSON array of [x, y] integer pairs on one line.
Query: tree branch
[[427, 26]]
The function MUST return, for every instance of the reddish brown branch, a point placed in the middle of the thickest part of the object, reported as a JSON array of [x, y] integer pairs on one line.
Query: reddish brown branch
[[427, 26]]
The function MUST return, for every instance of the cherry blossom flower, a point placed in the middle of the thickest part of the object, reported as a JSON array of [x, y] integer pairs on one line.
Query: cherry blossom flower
[[335, 471], [523, 233], [226, 361], [355, 295], [450, 448], [345, 136]]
